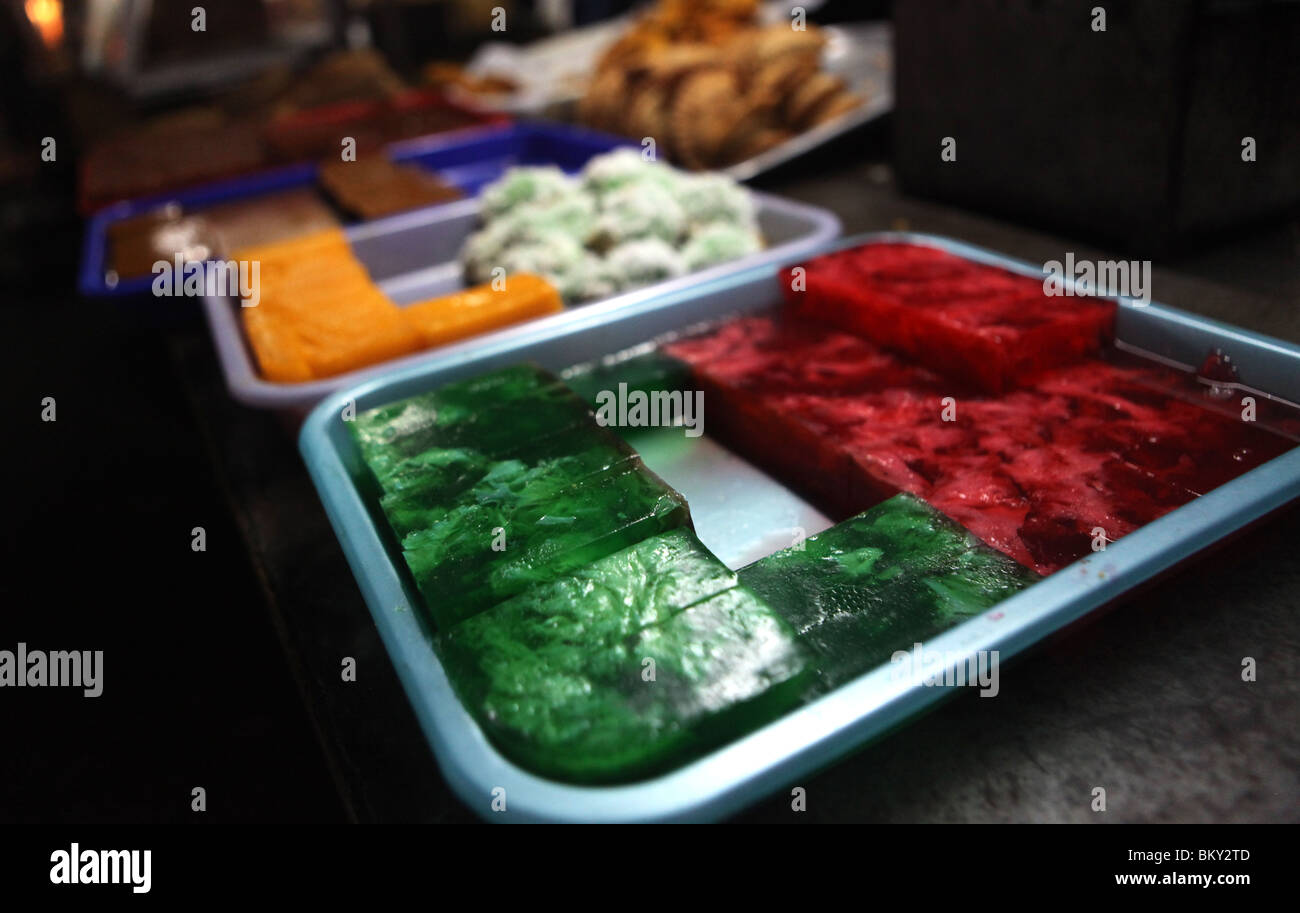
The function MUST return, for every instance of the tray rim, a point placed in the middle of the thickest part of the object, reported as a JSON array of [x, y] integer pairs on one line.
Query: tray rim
[[817, 734], [248, 387]]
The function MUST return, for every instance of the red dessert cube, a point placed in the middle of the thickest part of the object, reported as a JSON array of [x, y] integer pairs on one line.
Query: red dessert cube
[[1083, 450], [975, 323]]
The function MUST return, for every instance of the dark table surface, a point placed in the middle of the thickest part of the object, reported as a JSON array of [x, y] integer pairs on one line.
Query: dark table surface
[[1146, 701]]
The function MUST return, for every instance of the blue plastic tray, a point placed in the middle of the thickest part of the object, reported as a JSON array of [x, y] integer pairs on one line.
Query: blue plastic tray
[[467, 159], [819, 733]]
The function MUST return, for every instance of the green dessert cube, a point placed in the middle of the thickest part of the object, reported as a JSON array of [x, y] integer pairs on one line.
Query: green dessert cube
[[439, 471], [646, 371], [732, 654], [570, 681], [441, 474], [615, 596], [459, 477], [882, 581], [491, 414], [482, 552]]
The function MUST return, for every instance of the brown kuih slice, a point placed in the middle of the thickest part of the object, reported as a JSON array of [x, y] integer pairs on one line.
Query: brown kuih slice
[[373, 187]]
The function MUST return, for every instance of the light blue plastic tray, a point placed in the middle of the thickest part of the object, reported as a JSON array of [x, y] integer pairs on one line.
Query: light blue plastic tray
[[801, 742]]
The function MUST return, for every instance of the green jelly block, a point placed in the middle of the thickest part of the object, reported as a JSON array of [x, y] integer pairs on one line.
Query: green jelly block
[[460, 399], [646, 371], [450, 404], [548, 528], [881, 581], [439, 476], [566, 690], [617, 595], [491, 414], [446, 471], [553, 464]]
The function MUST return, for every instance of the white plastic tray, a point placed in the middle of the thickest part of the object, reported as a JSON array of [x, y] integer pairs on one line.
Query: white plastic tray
[[413, 257]]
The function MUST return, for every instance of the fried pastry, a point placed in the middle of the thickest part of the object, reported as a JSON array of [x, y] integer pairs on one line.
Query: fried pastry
[[710, 85]]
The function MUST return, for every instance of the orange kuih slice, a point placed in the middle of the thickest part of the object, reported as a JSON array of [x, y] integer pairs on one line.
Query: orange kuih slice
[[294, 296], [353, 331], [320, 314], [312, 268], [293, 250], [482, 308], [281, 286], [276, 346], [316, 272]]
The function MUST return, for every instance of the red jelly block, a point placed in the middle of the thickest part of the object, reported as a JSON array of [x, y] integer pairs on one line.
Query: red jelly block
[[874, 437], [763, 355], [1131, 413], [974, 323], [979, 495], [1032, 472], [788, 396]]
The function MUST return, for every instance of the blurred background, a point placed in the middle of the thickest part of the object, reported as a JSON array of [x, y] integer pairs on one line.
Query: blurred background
[[123, 115]]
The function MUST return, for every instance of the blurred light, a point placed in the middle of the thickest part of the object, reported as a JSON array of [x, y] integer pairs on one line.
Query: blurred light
[[46, 16]]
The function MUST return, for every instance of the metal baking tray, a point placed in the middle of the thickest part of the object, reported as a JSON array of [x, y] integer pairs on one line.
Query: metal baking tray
[[862, 54], [413, 256], [819, 733]]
